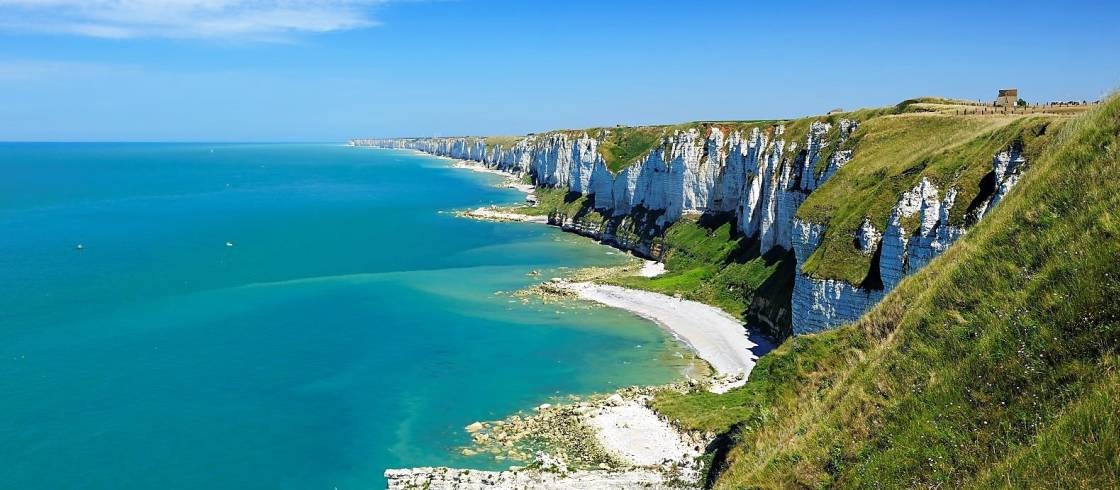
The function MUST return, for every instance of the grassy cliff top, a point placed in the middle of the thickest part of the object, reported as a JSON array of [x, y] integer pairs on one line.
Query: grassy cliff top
[[998, 365], [503, 142], [620, 147]]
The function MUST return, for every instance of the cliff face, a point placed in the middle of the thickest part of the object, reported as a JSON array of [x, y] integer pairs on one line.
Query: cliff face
[[762, 175]]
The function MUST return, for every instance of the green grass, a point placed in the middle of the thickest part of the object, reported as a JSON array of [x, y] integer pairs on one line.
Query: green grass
[[503, 142], [996, 365], [1068, 453], [800, 361], [622, 146]]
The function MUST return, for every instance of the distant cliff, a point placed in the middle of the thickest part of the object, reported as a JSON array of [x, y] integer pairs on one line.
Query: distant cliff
[[861, 199]]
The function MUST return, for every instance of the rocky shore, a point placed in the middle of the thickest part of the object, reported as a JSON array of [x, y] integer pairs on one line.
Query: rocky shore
[[495, 213], [461, 479], [606, 441]]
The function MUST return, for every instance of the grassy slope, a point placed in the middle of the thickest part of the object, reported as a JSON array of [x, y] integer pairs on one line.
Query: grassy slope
[[996, 365]]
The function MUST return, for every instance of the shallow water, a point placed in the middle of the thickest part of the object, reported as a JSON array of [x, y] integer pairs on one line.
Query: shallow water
[[350, 327]]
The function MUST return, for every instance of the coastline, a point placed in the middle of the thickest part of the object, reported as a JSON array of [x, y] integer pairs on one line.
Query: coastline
[[612, 440]]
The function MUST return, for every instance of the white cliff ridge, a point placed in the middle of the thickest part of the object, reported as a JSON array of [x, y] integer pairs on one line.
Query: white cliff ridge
[[759, 175]]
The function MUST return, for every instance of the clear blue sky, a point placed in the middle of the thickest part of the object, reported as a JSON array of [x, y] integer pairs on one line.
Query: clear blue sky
[[281, 70]]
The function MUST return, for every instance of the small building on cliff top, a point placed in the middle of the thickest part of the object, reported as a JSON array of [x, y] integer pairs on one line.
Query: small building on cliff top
[[1007, 97]]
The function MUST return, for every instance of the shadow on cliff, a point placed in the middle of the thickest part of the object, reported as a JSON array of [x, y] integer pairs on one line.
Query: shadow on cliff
[[768, 301]]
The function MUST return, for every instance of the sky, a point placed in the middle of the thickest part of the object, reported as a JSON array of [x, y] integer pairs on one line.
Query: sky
[[304, 70]]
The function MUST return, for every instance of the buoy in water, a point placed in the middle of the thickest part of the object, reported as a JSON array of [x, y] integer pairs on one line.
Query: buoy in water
[[229, 244], [80, 247]]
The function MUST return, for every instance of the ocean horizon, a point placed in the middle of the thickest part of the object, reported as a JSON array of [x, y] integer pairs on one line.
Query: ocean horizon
[[278, 315]]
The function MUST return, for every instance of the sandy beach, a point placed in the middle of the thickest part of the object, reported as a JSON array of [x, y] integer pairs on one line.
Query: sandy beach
[[633, 432], [714, 335]]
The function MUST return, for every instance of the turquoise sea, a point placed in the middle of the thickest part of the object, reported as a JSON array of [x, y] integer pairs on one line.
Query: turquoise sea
[[351, 326]]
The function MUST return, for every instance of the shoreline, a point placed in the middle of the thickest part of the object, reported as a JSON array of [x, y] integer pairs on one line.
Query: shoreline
[[616, 440], [603, 442], [496, 213], [713, 334]]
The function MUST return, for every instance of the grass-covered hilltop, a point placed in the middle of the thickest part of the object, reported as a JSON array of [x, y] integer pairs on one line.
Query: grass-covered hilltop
[[942, 278]]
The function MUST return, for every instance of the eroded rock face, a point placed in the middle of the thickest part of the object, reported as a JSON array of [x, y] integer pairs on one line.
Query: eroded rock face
[[821, 304], [818, 304], [763, 177], [868, 238]]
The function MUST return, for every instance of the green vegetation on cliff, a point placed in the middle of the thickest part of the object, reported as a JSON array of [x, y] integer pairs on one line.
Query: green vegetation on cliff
[[552, 200], [996, 365], [624, 145], [707, 262]]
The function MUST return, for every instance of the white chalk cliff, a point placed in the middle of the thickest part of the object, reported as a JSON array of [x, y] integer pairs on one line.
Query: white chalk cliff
[[758, 175]]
